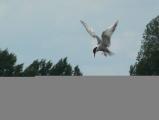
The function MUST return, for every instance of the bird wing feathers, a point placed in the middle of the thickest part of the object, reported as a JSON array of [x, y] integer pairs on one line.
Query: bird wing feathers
[[106, 35], [90, 31]]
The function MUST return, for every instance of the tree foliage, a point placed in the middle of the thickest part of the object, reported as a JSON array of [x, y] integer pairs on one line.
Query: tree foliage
[[46, 68], [147, 61], [61, 68], [77, 71], [41, 67], [8, 65], [32, 69]]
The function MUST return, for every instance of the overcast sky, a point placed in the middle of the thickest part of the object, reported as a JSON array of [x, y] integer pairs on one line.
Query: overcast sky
[[51, 29]]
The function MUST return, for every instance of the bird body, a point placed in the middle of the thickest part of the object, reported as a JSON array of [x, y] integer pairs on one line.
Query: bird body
[[105, 41]]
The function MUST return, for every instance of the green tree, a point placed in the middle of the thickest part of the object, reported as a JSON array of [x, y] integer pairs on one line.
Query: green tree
[[8, 65], [148, 57], [76, 71], [18, 70], [32, 69], [62, 67], [40, 68], [45, 67]]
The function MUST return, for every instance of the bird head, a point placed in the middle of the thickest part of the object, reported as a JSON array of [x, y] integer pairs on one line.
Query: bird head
[[94, 51]]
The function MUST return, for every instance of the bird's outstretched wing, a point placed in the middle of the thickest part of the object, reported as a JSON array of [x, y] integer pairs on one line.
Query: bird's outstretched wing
[[106, 35], [90, 31]]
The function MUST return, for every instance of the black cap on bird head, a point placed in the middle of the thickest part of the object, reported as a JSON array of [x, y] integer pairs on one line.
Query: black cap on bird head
[[94, 51]]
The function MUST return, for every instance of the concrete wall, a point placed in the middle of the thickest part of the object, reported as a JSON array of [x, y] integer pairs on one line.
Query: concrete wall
[[79, 98]]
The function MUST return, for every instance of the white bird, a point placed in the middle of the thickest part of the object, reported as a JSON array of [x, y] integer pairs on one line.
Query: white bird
[[104, 42]]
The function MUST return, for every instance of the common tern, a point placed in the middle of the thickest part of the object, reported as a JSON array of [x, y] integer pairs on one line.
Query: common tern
[[104, 42]]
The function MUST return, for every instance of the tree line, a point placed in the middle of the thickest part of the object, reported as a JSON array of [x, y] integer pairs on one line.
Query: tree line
[[147, 60], [8, 67]]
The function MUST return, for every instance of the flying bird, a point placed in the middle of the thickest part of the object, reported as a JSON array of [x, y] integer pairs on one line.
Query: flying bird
[[104, 42]]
